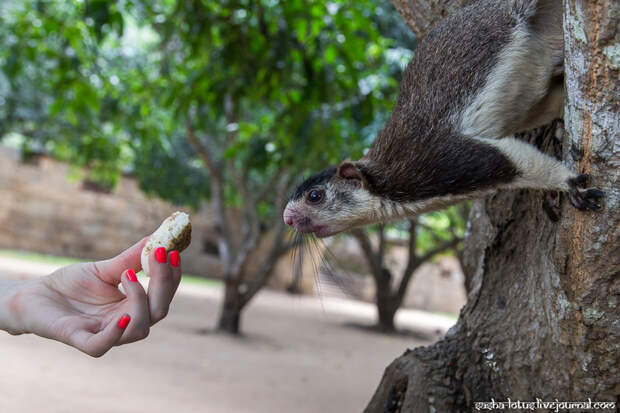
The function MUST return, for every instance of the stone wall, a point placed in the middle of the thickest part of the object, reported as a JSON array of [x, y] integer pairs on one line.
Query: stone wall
[[42, 210]]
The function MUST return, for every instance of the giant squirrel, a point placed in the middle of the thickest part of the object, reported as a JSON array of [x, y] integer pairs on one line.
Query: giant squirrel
[[491, 70]]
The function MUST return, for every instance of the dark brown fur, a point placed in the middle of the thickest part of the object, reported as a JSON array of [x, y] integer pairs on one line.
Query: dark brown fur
[[410, 159]]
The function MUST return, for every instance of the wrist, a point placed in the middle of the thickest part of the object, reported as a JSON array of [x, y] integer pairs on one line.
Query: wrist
[[9, 307]]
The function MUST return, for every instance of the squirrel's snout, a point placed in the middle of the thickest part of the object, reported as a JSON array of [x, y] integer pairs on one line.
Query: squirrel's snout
[[288, 220], [289, 217], [298, 221], [304, 224]]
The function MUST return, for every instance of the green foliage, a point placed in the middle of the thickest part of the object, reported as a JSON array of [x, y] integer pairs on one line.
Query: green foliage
[[59, 92], [269, 86], [438, 227], [434, 228]]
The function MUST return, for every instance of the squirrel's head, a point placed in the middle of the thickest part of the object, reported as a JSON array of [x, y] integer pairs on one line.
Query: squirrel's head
[[332, 201]]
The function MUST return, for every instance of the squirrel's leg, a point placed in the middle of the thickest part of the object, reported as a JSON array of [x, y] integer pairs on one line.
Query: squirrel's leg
[[538, 170]]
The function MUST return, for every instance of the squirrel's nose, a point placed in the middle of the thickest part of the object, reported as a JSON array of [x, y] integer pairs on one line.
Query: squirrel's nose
[[288, 217]]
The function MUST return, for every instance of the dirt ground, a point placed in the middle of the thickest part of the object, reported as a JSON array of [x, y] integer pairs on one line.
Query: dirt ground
[[298, 354]]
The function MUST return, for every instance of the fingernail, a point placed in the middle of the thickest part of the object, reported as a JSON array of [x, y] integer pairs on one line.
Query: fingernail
[[160, 255], [124, 322], [175, 260], [131, 274]]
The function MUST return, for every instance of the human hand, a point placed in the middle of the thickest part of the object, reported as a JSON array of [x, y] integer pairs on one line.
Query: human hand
[[82, 306]]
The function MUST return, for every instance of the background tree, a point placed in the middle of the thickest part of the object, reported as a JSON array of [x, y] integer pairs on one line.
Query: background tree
[[267, 90], [229, 102], [431, 234], [541, 320], [57, 88]]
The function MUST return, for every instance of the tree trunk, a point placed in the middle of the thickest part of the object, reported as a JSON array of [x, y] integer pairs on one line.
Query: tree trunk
[[541, 321], [386, 309], [387, 304], [230, 315], [241, 285], [388, 297]]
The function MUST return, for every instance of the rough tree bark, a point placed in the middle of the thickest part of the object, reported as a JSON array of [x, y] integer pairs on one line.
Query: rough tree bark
[[542, 317]]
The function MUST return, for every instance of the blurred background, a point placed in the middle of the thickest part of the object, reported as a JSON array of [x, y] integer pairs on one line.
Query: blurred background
[[113, 114]]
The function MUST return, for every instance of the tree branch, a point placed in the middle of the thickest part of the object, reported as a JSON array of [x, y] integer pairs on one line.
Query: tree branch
[[371, 257], [202, 153], [240, 176], [260, 277], [250, 230], [225, 244], [413, 262], [441, 248], [381, 236], [431, 231]]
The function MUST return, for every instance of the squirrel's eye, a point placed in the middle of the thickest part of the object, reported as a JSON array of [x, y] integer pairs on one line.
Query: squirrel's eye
[[315, 196]]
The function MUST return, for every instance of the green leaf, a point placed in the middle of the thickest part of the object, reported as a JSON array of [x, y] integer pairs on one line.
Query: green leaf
[[330, 54], [301, 28]]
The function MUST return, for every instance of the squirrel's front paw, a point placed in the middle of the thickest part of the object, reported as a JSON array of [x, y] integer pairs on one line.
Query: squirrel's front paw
[[584, 199]]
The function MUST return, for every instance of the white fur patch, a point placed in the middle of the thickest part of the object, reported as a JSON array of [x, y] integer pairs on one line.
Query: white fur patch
[[519, 80], [536, 169]]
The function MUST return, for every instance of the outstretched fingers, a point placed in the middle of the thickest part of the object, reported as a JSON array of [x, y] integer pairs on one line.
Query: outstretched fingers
[[140, 310], [165, 275]]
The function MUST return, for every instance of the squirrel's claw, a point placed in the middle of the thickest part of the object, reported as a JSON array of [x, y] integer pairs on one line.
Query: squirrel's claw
[[584, 199]]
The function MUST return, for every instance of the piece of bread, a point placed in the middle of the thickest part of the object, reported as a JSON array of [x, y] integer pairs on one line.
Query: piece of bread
[[175, 233]]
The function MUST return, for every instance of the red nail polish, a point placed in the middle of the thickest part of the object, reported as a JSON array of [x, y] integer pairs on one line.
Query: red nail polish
[[131, 274], [124, 322], [175, 260], [160, 254]]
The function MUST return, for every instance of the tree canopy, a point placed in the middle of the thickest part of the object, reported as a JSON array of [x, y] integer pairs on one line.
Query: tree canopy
[[275, 85]]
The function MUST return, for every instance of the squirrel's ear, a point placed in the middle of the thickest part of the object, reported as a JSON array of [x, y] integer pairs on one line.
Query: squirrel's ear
[[351, 173]]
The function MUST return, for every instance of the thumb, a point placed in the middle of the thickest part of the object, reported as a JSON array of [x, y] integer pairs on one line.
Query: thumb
[[110, 271]]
